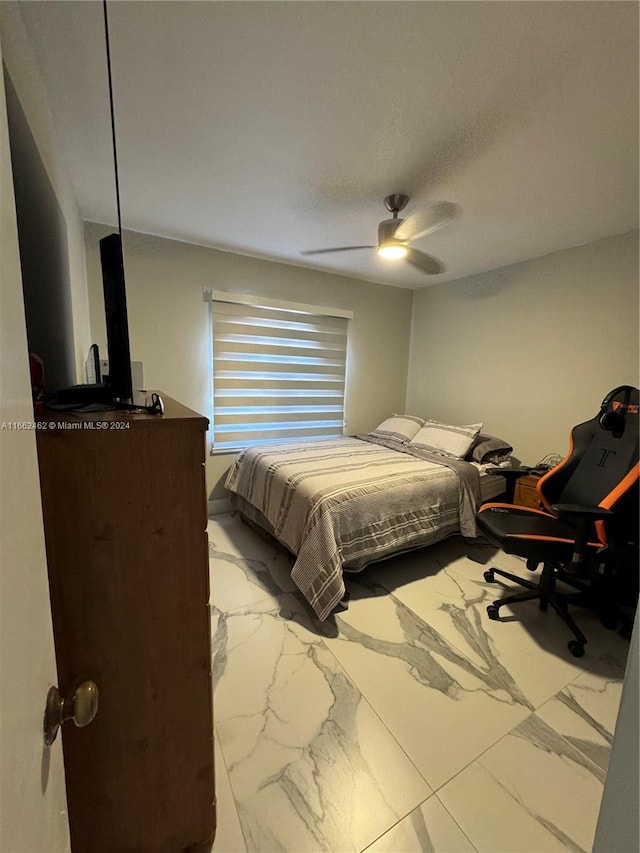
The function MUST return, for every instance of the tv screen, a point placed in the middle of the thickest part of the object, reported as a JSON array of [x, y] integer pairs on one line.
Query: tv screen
[[115, 306]]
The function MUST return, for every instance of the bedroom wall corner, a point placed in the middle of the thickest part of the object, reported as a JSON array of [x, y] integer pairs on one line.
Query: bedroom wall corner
[[529, 349]]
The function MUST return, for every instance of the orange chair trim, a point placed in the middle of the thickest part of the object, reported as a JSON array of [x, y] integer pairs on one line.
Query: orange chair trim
[[515, 506], [613, 496], [542, 479]]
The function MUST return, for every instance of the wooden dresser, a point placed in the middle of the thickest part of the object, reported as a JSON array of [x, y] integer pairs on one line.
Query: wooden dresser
[[525, 492], [124, 505]]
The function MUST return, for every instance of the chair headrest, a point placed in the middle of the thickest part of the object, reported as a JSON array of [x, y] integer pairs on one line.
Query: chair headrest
[[618, 406]]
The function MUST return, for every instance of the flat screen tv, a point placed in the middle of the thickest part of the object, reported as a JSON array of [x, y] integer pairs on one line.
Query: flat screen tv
[[118, 386], [115, 308]]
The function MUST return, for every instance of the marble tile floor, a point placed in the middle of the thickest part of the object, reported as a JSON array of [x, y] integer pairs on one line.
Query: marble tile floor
[[409, 722]]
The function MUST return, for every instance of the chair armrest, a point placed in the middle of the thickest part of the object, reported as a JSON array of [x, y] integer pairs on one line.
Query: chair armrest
[[583, 518], [589, 513]]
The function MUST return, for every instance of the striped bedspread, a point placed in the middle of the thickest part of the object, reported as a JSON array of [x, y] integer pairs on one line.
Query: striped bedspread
[[348, 502]]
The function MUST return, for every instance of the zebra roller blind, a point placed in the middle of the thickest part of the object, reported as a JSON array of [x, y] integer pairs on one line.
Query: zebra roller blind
[[278, 372]]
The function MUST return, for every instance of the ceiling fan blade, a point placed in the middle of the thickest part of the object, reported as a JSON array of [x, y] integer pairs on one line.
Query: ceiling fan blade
[[338, 249], [424, 263], [426, 220]]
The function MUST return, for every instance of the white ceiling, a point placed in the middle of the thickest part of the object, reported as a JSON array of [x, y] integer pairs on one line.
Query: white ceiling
[[268, 128]]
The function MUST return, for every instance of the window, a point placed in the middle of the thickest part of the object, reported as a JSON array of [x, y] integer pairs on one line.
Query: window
[[278, 371]]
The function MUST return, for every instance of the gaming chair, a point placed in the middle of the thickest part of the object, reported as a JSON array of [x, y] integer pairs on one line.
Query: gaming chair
[[586, 532]]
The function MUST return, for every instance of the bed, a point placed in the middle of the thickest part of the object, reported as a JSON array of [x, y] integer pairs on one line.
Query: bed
[[339, 504]]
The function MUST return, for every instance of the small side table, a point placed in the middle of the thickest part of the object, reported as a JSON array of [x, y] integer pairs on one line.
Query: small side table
[[525, 491]]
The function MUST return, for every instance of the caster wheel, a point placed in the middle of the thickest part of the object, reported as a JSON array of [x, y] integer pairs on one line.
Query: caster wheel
[[492, 612], [532, 565], [576, 648], [489, 576]]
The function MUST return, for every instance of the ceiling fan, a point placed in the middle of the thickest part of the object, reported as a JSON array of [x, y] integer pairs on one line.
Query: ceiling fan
[[395, 234]]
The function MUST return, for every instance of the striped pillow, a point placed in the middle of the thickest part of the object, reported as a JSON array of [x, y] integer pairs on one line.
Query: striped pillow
[[400, 428], [448, 440]]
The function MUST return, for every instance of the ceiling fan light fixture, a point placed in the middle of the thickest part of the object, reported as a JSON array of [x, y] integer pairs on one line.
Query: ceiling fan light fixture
[[392, 250], [396, 235]]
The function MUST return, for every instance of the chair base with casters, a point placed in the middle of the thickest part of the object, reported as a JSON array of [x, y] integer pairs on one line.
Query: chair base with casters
[[560, 541], [545, 592]]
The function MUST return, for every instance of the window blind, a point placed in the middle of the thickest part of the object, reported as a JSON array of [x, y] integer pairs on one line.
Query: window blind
[[278, 373]]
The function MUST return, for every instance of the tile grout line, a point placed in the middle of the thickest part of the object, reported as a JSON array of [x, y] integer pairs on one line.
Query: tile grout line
[[479, 757], [233, 793]]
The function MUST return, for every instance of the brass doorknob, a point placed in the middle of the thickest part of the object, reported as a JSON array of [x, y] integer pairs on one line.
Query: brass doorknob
[[82, 707]]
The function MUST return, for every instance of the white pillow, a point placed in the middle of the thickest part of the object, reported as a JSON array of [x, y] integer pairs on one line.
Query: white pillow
[[446, 439], [400, 428]]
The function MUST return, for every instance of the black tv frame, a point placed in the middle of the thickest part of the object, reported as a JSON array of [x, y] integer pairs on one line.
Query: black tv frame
[[117, 389], [115, 308]]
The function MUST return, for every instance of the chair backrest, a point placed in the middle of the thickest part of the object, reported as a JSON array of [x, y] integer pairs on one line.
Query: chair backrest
[[601, 468]]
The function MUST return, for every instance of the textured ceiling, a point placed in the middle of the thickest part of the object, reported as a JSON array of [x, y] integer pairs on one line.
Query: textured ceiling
[[270, 128]]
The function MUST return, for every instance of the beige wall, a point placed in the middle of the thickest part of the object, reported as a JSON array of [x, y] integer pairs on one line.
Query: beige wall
[[530, 349], [169, 327], [22, 68]]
